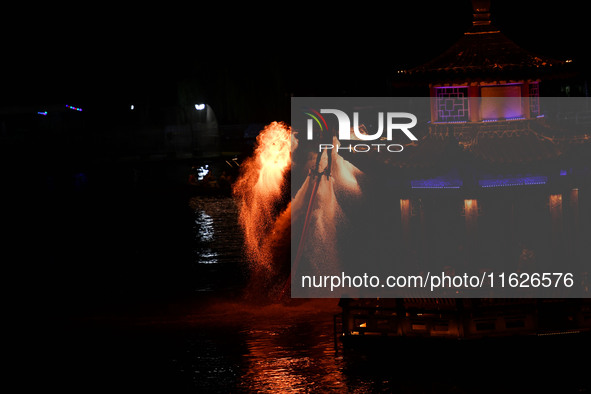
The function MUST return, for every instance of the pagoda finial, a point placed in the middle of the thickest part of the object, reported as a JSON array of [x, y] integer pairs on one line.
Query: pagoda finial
[[481, 14]]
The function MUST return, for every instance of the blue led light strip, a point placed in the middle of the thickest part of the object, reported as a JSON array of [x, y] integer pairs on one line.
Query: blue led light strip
[[520, 181], [435, 184]]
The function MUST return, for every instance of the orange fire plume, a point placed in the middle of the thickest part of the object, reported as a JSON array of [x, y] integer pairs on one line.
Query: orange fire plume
[[260, 194]]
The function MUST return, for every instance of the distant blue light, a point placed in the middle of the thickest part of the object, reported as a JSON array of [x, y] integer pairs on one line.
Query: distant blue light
[[44, 113], [518, 181], [562, 172], [436, 184], [74, 108]]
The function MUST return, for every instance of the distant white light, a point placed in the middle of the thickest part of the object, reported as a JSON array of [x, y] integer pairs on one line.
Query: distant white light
[[199, 107], [202, 172], [132, 107]]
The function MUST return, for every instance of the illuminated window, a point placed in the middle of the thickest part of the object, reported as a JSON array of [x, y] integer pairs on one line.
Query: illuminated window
[[501, 102], [360, 323]]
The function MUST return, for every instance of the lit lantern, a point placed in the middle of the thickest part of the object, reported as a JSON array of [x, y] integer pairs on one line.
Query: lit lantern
[[405, 214], [470, 207], [574, 205], [555, 205], [405, 209], [471, 213]]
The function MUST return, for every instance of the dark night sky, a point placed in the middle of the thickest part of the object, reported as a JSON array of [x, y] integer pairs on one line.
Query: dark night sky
[[110, 56], [99, 56]]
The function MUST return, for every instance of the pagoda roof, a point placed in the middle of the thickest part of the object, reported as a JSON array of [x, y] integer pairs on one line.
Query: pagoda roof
[[485, 53]]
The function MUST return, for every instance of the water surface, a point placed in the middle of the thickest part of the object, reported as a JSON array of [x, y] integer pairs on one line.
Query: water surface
[[202, 333]]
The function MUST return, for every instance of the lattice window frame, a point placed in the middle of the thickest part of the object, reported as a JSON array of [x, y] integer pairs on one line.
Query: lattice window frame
[[534, 98], [452, 104]]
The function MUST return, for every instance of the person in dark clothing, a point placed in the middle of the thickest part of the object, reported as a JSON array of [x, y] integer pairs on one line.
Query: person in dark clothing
[[326, 137]]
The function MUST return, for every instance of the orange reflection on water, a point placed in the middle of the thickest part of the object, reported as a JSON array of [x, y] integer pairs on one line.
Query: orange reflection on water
[[292, 350], [286, 348]]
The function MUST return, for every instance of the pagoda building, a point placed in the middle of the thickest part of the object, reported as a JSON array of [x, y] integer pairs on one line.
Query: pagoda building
[[499, 178], [485, 77], [485, 62]]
